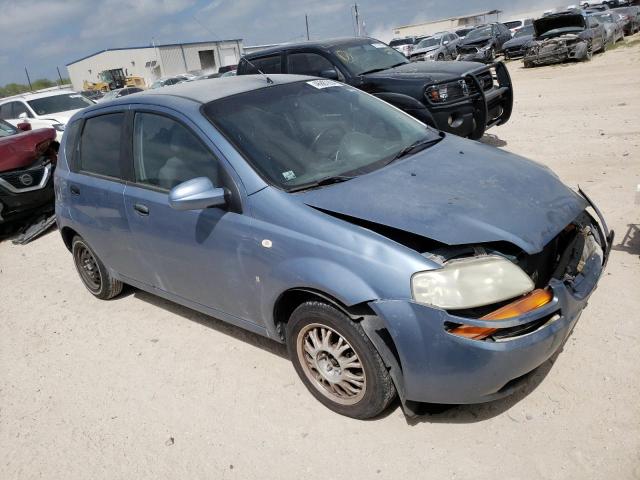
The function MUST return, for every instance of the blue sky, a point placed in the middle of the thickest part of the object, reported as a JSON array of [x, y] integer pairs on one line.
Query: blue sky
[[43, 34]]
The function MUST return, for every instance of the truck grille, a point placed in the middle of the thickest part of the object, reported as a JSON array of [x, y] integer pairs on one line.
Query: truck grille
[[485, 78]]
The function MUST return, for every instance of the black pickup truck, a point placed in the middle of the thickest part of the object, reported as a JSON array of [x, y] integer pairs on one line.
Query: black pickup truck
[[463, 98]]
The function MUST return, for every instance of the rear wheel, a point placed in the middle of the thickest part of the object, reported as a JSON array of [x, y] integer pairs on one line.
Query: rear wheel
[[337, 362], [92, 271]]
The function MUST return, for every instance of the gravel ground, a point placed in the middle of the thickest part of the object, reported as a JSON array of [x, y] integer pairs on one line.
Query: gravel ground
[[141, 388]]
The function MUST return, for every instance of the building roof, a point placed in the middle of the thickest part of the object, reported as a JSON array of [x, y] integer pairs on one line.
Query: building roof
[[205, 91], [153, 46], [470, 15]]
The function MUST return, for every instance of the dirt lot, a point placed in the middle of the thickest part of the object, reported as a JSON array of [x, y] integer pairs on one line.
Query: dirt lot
[[141, 388]]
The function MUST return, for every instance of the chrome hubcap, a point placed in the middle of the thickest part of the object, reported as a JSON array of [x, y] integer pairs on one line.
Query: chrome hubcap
[[331, 364]]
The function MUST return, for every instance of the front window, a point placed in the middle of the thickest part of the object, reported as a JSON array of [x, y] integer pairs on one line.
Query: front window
[[481, 32], [363, 58], [514, 24], [429, 42], [6, 129], [300, 134], [59, 103]]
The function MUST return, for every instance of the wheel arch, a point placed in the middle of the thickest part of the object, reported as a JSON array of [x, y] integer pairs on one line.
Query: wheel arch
[[67, 236]]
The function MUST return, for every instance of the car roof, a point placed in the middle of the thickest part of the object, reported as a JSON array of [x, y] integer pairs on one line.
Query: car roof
[[33, 96], [323, 44], [208, 90]]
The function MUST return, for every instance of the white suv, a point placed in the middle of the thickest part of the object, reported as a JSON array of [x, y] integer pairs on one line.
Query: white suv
[[45, 109]]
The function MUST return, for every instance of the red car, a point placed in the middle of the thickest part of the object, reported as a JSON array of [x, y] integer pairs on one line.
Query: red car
[[27, 160]]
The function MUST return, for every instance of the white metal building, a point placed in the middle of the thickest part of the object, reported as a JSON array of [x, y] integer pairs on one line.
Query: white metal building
[[447, 24], [153, 62]]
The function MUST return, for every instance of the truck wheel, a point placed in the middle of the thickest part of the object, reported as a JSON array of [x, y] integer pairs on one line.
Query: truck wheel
[[440, 56], [337, 362], [92, 271]]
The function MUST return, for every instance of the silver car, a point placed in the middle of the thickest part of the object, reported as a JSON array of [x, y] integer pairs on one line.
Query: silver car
[[440, 46]]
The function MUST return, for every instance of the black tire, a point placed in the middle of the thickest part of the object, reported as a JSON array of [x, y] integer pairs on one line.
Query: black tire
[[93, 273], [527, 64], [441, 56], [377, 391]]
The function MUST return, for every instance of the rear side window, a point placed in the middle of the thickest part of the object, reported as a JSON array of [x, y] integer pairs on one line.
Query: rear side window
[[265, 65], [5, 111], [100, 145], [70, 140]]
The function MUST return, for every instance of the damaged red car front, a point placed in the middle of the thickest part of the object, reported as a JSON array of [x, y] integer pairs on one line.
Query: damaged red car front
[[27, 160]]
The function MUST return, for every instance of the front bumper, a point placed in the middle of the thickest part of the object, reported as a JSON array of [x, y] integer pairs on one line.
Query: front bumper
[[436, 366], [489, 103], [539, 55]]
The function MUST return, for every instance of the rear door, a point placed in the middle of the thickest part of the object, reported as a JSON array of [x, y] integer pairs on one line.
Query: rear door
[[197, 255], [95, 190]]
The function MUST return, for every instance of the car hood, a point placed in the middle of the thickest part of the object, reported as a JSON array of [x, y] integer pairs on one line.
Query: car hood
[[560, 22], [23, 148], [475, 41], [516, 42], [459, 192], [427, 70]]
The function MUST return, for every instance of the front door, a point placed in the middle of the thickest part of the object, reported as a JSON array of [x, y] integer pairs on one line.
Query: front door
[[198, 255]]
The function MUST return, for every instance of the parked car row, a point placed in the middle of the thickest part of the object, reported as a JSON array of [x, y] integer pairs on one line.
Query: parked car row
[[575, 33]]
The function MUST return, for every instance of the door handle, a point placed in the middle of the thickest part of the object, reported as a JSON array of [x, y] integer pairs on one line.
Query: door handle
[[74, 190], [141, 209]]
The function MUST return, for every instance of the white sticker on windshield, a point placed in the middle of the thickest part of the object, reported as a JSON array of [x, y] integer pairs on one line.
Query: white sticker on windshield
[[378, 45], [289, 175], [324, 83]]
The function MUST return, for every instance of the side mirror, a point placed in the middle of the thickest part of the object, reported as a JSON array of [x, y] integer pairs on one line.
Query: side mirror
[[331, 74], [196, 194], [23, 116], [24, 126]]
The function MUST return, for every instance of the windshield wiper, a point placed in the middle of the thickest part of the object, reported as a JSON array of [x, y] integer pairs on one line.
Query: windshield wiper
[[415, 147], [322, 182], [382, 69]]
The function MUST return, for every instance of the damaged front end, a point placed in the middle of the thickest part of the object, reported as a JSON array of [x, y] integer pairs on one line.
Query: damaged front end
[[482, 353], [557, 50]]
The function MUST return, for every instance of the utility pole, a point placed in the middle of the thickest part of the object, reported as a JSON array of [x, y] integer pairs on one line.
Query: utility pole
[[306, 20], [28, 79], [357, 20], [59, 76]]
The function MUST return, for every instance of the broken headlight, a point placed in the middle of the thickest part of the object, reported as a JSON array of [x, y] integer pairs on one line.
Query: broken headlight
[[471, 282], [446, 92]]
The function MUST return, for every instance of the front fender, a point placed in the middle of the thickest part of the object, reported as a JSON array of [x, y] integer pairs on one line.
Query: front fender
[[317, 274]]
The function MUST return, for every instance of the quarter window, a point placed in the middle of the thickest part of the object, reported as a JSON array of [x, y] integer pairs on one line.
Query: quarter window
[[100, 145], [308, 64], [166, 153]]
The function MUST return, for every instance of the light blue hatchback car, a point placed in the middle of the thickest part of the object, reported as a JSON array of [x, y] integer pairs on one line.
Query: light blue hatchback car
[[391, 258]]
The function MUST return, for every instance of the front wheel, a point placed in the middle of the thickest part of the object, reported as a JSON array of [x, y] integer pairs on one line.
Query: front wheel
[[440, 56], [337, 362]]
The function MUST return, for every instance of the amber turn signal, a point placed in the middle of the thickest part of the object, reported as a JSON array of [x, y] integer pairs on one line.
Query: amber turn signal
[[529, 302]]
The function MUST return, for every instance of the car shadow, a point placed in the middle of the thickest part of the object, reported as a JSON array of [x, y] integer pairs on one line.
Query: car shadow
[[630, 243], [479, 412], [213, 323], [493, 140]]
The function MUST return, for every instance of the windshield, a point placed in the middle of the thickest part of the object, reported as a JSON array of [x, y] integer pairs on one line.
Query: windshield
[[59, 103], [111, 94], [480, 32], [6, 129], [430, 42], [302, 133], [514, 24], [368, 57], [400, 41], [524, 31]]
